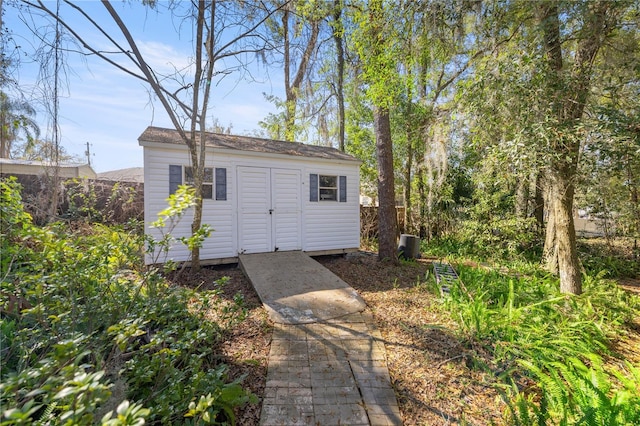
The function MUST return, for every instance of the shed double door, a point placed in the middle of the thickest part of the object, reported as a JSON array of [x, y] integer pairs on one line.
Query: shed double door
[[269, 210]]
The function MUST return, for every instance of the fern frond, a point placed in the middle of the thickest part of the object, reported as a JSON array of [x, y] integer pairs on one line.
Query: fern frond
[[47, 416]]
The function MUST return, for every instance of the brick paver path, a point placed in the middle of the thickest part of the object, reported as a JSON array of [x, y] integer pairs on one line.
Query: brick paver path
[[329, 373]]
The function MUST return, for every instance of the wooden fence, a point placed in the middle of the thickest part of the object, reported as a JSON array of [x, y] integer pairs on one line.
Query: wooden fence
[[95, 200], [118, 202], [369, 221]]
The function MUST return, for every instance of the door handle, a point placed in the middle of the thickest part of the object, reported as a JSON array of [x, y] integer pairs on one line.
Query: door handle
[[270, 211]]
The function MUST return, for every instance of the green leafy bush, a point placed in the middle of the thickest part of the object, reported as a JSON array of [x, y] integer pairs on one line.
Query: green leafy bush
[[575, 392], [85, 330], [532, 332], [168, 219], [497, 239], [612, 261], [14, 221]]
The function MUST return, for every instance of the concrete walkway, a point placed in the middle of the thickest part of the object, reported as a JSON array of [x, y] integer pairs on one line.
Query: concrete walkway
[[322, 371], [295, 289]]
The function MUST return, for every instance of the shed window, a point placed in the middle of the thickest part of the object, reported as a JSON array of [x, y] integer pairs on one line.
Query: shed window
[[207, 180], [327, 188], [184, 174]]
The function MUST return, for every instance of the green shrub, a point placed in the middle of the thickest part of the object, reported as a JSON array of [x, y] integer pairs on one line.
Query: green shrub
[[13, 223], [532, 331], [575, 392], [80, 316], [500, 239], [611, 261]]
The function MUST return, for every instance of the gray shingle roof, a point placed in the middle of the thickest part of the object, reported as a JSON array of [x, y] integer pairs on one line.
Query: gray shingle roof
[[131, 174], [248, 143], [39, 163]]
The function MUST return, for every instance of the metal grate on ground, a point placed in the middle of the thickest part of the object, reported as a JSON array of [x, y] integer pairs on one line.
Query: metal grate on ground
[[446, 276]]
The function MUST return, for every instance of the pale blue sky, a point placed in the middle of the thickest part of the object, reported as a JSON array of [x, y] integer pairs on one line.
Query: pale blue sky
[[110, 109]]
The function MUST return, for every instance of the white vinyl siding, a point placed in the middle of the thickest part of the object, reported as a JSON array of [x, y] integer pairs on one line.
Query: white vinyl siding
[[217, 214], [329, 226]]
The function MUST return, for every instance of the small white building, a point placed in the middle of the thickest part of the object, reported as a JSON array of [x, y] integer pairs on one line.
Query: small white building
[[12, 167], [259, 195]]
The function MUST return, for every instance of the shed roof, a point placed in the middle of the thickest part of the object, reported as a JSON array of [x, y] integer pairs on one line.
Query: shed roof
[[248, 143], [40, 163], [36, 167]]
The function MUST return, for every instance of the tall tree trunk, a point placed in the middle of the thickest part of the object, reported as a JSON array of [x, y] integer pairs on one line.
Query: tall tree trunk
[[55, 124], [4, 131], [292, 88], [634, 201], [568, 96], [338, 29], [204, 48], [196, 151], [409, 160], [379, 73], [387, 226], [551, 32], [290, 110], [568, 264]]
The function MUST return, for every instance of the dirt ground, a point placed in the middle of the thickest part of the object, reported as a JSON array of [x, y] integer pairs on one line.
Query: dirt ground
[[430, 369], [632, 285]]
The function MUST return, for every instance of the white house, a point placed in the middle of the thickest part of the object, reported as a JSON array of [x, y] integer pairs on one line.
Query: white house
[[259, 195]]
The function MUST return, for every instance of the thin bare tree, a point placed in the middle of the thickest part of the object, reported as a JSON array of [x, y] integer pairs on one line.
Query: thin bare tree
[[222, 31]]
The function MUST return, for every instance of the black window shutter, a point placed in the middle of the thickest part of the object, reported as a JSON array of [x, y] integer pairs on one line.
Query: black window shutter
[[175, 178], [313, 187], [343, 189], [221, 184]]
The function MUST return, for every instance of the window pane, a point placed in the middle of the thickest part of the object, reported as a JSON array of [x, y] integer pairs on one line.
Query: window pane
[[328, 194], [343, 189], [208, 174], [328, 181], [207, 192], [188, 175]]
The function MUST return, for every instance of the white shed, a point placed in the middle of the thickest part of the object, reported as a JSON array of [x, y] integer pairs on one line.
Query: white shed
[[260, 195]]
